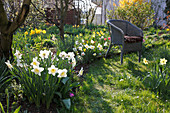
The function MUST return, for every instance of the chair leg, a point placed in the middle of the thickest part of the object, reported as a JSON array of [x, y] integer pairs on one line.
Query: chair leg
[[108, 50], [121, 57], [140, 52]]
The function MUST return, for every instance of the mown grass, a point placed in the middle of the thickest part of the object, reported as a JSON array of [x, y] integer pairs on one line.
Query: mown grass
[[109, 87]]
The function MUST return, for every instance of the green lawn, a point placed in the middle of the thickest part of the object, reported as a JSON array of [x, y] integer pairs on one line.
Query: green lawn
[[109, 87]]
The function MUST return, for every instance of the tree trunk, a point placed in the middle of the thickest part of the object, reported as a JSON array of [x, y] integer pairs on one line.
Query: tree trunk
[[7, 28], [5, 46]]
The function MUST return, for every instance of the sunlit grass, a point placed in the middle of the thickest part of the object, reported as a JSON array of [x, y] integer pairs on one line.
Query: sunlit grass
[[111, 87]]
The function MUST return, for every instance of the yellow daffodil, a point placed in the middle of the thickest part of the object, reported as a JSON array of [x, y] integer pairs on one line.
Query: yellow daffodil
[[32, 32], [26, 33], [44, 31], [84, 50], [167, 29], [81, 34], [163, 61]]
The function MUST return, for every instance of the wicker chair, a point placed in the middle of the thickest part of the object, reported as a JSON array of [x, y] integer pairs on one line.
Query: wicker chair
[[126, 34]]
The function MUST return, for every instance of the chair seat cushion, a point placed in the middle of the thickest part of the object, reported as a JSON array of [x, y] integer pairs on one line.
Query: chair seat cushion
[[133, 39]]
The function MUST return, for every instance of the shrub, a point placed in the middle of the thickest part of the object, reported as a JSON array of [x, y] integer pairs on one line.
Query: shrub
[[138, 12]]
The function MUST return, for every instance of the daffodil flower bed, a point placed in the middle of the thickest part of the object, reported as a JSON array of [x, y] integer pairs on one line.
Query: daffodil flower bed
[[46, 77], [89, 48]]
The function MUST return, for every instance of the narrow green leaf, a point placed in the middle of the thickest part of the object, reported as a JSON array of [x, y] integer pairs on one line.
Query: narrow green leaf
[[17, 110], [2, 107]]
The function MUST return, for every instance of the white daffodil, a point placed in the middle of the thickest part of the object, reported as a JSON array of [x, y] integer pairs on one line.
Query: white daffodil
[[92, 41], [52, 70], [75, 49], [82, 40], [76, 42], [37, 70], [82, 54], [80, 48], [86, 46], [62, 55], [62, 73], [102, 37], [92, 47], [99, 46], [25, 66], [18, 54], [163, 61], [44, 54], [105, 44], [81, 72], [9, 65], [35, 62], [73, 62], [53, 37], [70, 55], [19, 64]]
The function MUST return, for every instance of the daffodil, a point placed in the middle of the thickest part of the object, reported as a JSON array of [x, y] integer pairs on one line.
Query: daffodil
[[26, 33], [9, 65], [92, 42], [35, 62], [86, 46], [18, 54], [92, 47], [145, 61], [44, 54], [80, 48], [52, 70], [62, 73], [163, 61], [81, 72], [94, 54], [44, 31], [73, 62], [37, 70], [99, 46], [76, 42], [32, 32], [19, 64], [62, 55], [75, 49], [81, 34], [70, 55], [105, 44]]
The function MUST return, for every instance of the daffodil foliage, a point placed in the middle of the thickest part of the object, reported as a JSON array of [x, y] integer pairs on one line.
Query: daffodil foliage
[[46, 76]]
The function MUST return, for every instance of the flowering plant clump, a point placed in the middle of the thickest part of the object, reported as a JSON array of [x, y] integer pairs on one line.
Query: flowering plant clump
[[46, 76], [138, 12], [89, 48], [158, 78]]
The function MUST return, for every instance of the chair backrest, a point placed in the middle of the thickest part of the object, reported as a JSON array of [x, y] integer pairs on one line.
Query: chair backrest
[[125, 26], [116, 34]]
